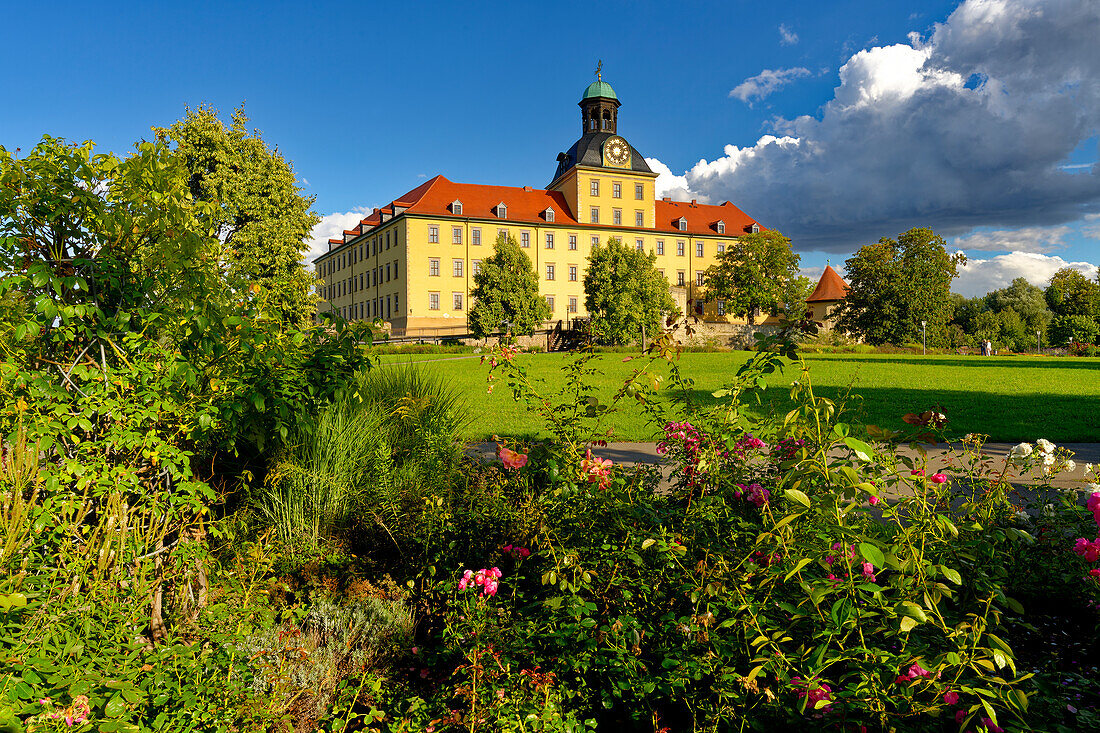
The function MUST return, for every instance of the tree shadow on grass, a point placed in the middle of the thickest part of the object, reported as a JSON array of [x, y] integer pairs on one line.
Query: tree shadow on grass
[[1021, 362], [1010, 418]]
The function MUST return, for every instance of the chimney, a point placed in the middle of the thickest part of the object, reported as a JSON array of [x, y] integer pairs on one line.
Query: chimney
[[528, 189], [693, 203], [667, 198]]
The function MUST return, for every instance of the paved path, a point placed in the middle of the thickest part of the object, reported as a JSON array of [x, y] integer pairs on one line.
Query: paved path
[[646, 454]]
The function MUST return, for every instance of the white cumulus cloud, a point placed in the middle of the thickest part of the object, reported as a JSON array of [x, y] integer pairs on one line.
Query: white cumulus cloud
[[331, 225], [766, 83], [786, 36], [1024, 239], [978, 277], [968, 127]]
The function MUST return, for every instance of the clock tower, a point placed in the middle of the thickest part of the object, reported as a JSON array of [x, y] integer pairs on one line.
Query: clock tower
[[601, 153]]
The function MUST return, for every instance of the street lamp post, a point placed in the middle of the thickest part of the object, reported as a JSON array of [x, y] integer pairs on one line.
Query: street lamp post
[[924, 336], [1038, 344]]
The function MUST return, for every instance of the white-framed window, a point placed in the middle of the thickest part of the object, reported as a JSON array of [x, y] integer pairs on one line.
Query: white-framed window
[[698, 278], [573, 273], [572, 305], [572, 241], [639, 218], [549, 272], [639, 244], [456, 267], [679, 248], [680, 278], [682, 224], [477, 266], [501, 210], [617, 217], [550, 302], [456, 301], [475, 236], [549, 214], [594, 187], [433, 301], [639, 191], [721, 227], [721, 304], [595, 241], [698, 249], [660, 246], [433, 236], [525, 239], [456, 208], [721, 248], [456, 235], [433, 267], [755, 228], [549, 240], [594, 215], [502, 233], [616, 190]]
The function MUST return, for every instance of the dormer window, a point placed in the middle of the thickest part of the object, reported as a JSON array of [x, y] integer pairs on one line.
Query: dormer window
[[682, 224], [755, 228], [721, 227], [456, 208], [549, 214], [501, 210]]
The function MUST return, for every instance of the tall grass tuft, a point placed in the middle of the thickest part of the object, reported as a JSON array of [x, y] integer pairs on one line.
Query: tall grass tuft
[[320, 476], [423, 417]]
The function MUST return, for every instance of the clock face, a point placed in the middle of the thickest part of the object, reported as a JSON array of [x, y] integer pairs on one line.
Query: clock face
[[616, 151]]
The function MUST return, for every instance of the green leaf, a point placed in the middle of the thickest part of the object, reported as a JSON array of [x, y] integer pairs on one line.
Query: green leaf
[[797, 496], [907, 624], [952, 575], [647, 543], [912, 610], [798, 566], [115, 707], [872, 554], [863, 451]]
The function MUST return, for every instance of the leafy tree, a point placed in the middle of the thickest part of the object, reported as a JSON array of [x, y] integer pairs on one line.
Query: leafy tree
[[894, 285], [507, 289], [1067, 328], [965, 310], [1072, 293], [259, 212], [756, 271], [1026, 300], [625, 295]]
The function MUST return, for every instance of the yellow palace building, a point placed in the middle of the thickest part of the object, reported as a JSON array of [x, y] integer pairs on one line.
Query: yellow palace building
[[412, 262]]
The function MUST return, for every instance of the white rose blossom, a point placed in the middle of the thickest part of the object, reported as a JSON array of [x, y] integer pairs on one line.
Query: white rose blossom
[[1020, 452], [1070, 465], [1044, 445]]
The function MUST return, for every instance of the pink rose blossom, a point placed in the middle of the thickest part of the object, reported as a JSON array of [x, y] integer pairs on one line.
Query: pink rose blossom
[[873, 500], [512, 459], [937, 478], [950, 697], [959, 715]]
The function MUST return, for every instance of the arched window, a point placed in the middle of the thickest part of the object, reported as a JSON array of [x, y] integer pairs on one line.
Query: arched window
[[607, 119]]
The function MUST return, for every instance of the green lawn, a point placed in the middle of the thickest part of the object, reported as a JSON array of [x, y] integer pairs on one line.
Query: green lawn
[[1010, 398]]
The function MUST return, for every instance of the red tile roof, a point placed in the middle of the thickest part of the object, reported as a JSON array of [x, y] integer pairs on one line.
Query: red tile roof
[[830, 287], [527, 205]]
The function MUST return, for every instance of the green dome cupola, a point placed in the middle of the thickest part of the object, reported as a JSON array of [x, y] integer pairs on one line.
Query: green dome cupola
[[599, 89], [599, 106]]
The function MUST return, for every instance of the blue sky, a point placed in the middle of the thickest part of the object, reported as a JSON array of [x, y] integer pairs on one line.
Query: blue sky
[[836, 123]]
